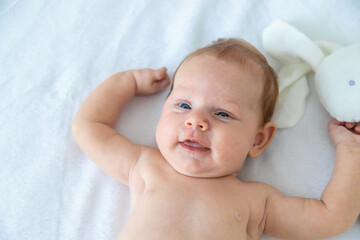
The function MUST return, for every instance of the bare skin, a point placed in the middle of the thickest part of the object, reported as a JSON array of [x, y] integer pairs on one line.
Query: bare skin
[[187, 189]]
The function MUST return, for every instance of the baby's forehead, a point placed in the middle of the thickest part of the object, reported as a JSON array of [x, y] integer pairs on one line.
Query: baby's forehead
[[223, 80], [245, 64], [192, 62]]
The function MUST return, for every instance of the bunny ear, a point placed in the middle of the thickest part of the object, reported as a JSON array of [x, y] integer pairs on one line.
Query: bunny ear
[[289, 45], [293, 89], [299, 55]]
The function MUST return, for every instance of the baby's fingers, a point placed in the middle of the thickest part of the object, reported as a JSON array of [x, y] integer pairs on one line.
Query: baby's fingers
[[161, 79], [353, 127], [160, 84], [357, 128], [161, 73], [150, 81], [350, 125], [339, 131]]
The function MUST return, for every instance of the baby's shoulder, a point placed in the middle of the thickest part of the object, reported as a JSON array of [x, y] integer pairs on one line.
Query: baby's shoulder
[[255, 193], [147, 168], [150, 157], [150, 163], [260, 191], [150, 153], [257, 187]]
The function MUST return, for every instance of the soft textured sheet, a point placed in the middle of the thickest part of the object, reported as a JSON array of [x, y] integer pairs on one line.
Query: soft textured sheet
[[53, 53]]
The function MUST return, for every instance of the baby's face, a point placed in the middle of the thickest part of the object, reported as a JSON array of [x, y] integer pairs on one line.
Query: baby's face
[[210, 120]]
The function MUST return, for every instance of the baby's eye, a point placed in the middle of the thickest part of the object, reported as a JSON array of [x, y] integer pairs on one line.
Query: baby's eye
[[223, 114], [184, 105]]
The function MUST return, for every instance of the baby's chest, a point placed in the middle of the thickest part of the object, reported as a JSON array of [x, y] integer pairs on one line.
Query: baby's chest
[[197, 207]]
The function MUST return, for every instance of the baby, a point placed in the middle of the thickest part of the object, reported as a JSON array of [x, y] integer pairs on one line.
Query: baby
[[218, 112]]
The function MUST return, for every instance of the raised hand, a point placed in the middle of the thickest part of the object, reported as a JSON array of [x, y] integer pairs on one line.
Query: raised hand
[[341, 132], [150, 81]]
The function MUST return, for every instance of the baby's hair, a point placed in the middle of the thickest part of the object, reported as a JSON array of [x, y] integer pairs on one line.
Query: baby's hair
[[239, 51]]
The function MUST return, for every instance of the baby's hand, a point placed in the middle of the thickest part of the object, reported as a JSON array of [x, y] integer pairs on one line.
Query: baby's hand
[[150, 81], [341, 132]]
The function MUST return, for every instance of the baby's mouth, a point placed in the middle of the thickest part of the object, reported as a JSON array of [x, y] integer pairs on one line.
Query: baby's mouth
[[194, 146]]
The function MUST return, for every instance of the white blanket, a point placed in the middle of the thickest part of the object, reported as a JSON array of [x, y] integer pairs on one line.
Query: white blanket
[[53, 53]]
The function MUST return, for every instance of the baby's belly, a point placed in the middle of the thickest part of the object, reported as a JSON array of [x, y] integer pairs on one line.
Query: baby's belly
[[180, 217]]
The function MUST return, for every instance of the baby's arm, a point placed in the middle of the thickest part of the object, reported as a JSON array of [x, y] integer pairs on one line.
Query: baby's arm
[[339, 207], [93, 126]]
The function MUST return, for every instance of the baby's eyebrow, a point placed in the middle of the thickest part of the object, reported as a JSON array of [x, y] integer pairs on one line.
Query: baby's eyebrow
[[231, 105], [235, 109], [183, 91]]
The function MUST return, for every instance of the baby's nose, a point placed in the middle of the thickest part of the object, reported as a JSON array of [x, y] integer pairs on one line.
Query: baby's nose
[[193, 123]]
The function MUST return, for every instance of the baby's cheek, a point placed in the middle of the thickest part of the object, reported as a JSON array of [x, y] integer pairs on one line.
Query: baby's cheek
[[164, 132], [240, 146], [232, 147], [159, 133]]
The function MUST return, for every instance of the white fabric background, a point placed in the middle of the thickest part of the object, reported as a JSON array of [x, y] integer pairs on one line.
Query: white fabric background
[[53, 53]]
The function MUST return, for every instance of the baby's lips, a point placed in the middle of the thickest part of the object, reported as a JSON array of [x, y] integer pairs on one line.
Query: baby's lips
[[193, 144]]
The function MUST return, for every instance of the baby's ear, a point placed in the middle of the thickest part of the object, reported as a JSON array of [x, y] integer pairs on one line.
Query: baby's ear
[[263, 138]]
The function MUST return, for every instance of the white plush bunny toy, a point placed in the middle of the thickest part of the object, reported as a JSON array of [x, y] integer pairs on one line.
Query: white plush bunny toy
[[337, 74]]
